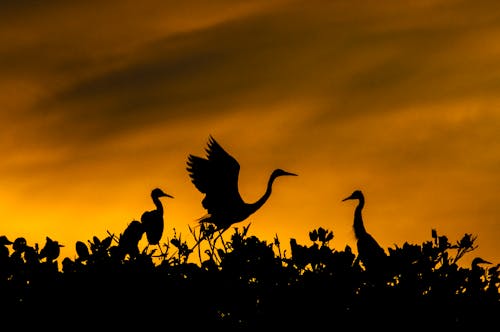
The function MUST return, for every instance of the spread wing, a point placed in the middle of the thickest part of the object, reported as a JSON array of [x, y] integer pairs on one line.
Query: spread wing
[[216, 176]]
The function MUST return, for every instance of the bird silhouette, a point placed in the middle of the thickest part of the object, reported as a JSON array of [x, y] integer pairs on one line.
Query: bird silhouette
[[129, 240], [475, 281], [82, 251], [216, 176], [152, 221], [4, 251], [50, 250], [477, 261], [370, 253]]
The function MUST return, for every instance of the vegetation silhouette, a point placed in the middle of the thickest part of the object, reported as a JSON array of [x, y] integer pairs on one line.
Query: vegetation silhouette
[[246, 284], [216, 176]]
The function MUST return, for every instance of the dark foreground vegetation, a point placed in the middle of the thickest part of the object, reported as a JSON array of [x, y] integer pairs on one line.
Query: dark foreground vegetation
[[244, 283]]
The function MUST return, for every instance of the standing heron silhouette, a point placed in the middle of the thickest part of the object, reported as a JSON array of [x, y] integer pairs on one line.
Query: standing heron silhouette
[[216, 176], [370, 253], [152, 221]]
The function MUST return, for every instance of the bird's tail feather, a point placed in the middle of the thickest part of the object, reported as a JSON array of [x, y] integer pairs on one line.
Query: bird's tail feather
[[199, 223], [205, 218]]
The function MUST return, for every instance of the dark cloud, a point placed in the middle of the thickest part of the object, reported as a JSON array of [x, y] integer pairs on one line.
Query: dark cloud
[[356, 62], [193, 74]]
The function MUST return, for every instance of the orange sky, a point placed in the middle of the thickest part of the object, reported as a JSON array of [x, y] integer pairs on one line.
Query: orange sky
[[103, 101]]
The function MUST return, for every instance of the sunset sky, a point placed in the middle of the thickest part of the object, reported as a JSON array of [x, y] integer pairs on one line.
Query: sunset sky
[[102, 101]]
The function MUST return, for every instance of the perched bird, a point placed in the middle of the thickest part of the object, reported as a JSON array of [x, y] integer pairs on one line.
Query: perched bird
[[217, 177], [130, 238], [370, 253], [19, 244], [51, 249], [4, 251], [476, 281], [152, 221], [477, 261], [4, 257], [82, 251]]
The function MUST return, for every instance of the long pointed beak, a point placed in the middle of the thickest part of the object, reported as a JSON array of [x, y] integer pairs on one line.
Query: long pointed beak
[[167, 195], [288, 173], [347, 198]]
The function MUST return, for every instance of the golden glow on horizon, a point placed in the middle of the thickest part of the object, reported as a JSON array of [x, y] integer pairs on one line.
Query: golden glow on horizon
[[398, 100]]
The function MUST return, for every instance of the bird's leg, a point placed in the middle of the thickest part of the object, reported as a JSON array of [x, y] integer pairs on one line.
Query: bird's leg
[[161, 251], [197, 239], [212, 244], [204, 234], [221, 231], [222, 239], [199, 248]]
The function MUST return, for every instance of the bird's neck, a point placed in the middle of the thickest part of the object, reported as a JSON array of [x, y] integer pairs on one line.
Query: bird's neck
[[266, 195], [156, 201], [359, 227]]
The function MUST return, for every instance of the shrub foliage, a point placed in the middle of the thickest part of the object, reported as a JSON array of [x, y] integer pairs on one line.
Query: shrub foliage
[[244, 283]]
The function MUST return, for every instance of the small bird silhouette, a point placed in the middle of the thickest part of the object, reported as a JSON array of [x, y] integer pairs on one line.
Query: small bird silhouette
[[51, 249], [82, 251], [370, 253], [217, 177], [478, 260], [152, 221], [476, 283], [4, 251]]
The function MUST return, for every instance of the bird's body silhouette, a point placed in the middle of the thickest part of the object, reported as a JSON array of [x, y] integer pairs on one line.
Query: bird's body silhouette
[[152, 221], [370, 253], [475, 282], [4, 251], [50, 250], [216, 176], [130, 238], [478, 261], [82, 251]]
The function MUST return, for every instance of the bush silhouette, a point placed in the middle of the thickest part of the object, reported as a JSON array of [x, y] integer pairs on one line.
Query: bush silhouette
[[246, 284]]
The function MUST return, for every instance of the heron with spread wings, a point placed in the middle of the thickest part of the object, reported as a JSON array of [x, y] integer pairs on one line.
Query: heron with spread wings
[[216, 176]]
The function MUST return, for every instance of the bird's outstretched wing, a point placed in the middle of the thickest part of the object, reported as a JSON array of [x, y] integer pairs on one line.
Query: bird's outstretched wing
[[216, 176]]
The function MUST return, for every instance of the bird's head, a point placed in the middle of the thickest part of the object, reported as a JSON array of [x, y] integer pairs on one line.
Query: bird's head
[[279, 172], [478, 260], [4, 240], [357, 194], [49, 241], [157, 192], [19, 244]]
